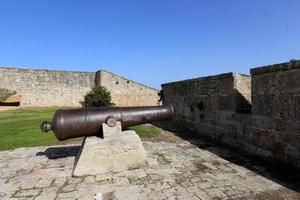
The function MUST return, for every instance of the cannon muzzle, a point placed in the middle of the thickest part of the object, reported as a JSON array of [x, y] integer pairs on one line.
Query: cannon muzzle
[[80, 122]]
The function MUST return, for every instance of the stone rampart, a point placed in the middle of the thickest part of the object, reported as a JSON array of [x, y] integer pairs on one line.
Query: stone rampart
[[266, 123], [125, 92], [47, 87], [275, 120], [67, 88]]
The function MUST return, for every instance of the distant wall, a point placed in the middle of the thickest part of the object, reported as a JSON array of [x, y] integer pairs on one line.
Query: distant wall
[[47, 87], [264, 122], [67, 88], [126, 92]]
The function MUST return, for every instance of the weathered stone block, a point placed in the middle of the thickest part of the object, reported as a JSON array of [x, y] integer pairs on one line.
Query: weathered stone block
[[182, 89], [226, 103], [226, 86], [203, 99], [214, 103], [289, 138], [262, 105], [116, 152], [242, 118], [264, 84], [262, 122], [211, 115], [284, 107], [293, 151], [244, 145], [288, 82], [255, 136], [219, 133], [293, 127], [280, 125], [205, 129], [168, 90], [201, 88], [297, 106]]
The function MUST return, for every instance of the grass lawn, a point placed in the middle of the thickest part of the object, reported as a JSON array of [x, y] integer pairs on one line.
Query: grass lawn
[[145, 131], [21, 128]]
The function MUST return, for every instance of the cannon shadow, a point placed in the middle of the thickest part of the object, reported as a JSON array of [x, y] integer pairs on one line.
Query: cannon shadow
[[60, 152], [284, 175]]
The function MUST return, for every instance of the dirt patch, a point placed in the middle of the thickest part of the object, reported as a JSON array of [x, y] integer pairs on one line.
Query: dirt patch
[[13, 98], [4, 108], [11, 101]]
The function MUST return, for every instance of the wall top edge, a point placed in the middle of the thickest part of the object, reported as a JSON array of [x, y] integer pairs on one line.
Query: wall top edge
[[205, 78], [293, 64], [105, 71], [46, 70]]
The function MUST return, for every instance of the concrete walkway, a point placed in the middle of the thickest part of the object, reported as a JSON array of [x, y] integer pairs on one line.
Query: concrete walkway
[[177, 169]]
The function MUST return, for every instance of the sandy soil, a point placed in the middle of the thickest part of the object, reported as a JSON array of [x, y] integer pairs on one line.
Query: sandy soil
[[4, 108]]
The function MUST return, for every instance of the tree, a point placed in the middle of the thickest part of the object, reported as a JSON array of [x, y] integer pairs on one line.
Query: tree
[[98, 97]]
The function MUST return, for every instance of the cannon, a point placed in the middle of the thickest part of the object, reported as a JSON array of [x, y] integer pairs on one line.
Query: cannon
[[71, 123]]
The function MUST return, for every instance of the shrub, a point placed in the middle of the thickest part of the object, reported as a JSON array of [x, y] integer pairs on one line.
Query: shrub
[[161, 96], [98, 97]]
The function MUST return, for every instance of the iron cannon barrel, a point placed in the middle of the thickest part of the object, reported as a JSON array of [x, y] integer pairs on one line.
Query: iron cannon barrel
[[80, 122]]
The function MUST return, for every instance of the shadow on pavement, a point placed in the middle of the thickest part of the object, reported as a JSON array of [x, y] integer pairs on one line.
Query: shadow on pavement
[[60, 152], [284, 175]]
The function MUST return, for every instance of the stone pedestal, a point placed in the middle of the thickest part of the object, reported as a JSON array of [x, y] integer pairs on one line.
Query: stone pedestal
[[117, 151]]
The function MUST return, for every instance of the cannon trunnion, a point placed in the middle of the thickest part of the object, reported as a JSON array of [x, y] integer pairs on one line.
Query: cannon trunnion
[[80, 122]]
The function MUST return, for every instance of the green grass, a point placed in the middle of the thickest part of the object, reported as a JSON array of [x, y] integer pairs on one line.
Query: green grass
[[145, 131], [21, 128], [245, 75]]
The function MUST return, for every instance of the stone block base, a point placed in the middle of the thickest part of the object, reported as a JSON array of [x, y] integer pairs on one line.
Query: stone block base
[[116, 152]]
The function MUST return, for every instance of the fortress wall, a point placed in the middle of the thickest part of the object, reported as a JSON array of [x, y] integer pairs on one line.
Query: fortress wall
[[125, 92], [67, 88], [47, 87], [207, 104], [275, 123], [218, 107]]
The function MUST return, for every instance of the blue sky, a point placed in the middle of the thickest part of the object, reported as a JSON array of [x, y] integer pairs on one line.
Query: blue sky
[[153, 41]]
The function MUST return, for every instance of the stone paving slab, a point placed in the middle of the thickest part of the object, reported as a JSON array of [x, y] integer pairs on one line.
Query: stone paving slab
[[177, 169]]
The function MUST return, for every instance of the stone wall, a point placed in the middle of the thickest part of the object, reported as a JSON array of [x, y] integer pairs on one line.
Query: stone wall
[[275, 121], [67, 88], [126, 92], [219, 107], [47, 87], [207, 104]]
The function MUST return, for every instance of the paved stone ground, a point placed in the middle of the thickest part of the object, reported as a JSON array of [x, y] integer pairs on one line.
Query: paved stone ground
[[178, 169]]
